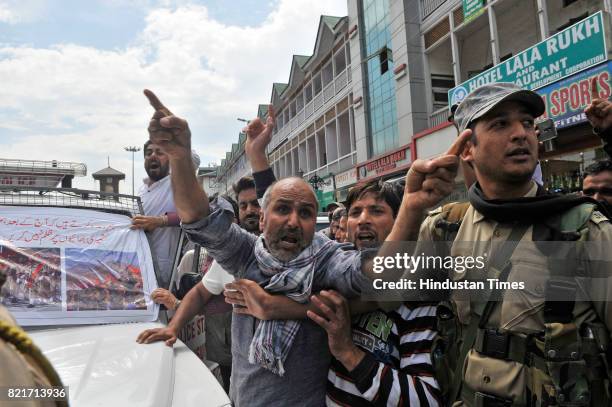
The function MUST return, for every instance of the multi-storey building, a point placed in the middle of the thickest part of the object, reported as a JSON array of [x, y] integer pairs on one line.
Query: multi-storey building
[[374, 96], [500, 37]]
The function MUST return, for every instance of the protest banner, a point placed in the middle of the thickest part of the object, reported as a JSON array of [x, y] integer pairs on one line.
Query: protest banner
[[74, 266]]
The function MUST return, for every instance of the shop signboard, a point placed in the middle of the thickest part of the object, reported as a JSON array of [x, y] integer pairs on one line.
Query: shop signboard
[[346, 178], [566, 100], [325, 194], [385, 165], [570, 51], [472, 9]]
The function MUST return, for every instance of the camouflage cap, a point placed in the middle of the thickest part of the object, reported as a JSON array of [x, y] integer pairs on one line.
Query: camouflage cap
[[485, 98]]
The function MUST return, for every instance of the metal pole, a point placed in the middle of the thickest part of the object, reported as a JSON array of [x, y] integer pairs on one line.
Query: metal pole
[[132, 173], [132, 149]]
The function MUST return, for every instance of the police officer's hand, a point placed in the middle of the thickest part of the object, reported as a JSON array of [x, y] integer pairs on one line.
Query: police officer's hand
[[599, 111], [249, 297], [258, 138], [335, 318], [430, 181], [147, 223], [167, 334], [171, 133]]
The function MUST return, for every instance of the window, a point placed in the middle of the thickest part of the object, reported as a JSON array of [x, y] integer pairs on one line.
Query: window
[[383, 57], [572, 21]]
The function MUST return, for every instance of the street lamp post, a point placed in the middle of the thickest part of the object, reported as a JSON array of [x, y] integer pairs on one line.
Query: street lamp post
[[132, 149]]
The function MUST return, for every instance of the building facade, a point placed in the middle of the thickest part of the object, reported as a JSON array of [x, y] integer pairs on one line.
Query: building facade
[[500, 38], [376, 91]]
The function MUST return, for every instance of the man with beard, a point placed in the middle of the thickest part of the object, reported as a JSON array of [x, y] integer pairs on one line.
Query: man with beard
[[248, 205], [597, 183], [206, 297], [274, 362], [160, 219], [515, 346], [379, 352]]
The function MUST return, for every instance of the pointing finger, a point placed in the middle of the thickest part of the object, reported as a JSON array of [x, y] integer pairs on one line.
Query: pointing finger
[[459, 145], [594, 90], [154, 101], [271, 113]]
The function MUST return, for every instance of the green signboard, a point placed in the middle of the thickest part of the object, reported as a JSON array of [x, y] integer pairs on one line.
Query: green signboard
[[324, 198], [570, 51], [472, 9], [325, 194]]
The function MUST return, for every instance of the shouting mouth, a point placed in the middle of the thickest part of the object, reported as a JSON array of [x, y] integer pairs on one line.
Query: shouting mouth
[[366, 238]]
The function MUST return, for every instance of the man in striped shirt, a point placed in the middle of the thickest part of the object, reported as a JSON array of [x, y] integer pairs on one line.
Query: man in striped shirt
[[383, 357]]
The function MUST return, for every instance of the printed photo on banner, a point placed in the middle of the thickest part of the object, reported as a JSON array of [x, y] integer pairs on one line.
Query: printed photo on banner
[[100, 280], [75, 266], [33, 279]]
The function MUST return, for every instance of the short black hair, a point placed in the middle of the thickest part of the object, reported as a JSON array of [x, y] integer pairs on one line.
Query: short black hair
[[146, 144], [599, 166], [390, 192], [244, 183]]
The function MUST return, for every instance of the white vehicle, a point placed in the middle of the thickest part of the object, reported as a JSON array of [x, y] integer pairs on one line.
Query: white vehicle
[[98, 360]]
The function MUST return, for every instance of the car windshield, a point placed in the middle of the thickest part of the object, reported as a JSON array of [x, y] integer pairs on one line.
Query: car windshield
[[71, 257]]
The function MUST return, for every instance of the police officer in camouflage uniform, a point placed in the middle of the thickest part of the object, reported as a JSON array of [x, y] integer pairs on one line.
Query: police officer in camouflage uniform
[[546, 344]]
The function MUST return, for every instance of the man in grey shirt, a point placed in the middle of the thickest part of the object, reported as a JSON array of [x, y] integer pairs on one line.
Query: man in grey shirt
[[274, 362]]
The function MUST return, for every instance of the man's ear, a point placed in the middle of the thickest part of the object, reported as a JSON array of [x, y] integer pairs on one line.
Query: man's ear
[[261, 220], [467, 154]]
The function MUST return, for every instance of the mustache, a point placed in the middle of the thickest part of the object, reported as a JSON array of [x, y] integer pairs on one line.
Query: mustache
[[292, 233]]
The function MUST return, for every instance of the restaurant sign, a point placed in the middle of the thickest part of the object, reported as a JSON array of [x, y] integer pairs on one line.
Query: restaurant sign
[[570, 51], [386, 164]]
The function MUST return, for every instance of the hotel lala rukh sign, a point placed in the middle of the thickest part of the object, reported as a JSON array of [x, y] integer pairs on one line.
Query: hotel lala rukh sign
[[386, 164]]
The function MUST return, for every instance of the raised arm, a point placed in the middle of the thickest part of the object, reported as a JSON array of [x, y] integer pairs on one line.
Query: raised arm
[[172, 134], [258, 138]]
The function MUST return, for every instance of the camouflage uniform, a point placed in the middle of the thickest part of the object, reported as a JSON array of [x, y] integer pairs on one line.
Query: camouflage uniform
[[513, 360]]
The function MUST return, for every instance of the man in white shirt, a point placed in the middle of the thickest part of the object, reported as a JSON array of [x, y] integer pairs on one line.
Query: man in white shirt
[[160, 220]]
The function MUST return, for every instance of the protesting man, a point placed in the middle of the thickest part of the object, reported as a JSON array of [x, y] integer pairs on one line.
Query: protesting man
[[381, 352], [273, 361], [159, 219], [514, 347], [389, 348]]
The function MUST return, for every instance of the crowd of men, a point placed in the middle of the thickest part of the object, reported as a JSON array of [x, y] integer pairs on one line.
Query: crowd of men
[[300, 333]]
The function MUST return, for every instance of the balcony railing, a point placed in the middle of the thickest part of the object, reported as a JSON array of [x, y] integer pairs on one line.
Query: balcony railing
[[318, 101], [309, 109], [328, 92], [438, 117], [429, 6], [340, 81]]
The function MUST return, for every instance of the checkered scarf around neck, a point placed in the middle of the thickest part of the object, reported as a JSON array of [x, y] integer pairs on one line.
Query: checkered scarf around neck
[[273, 339]]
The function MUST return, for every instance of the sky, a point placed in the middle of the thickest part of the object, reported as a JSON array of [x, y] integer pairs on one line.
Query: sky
[[72, 73]]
